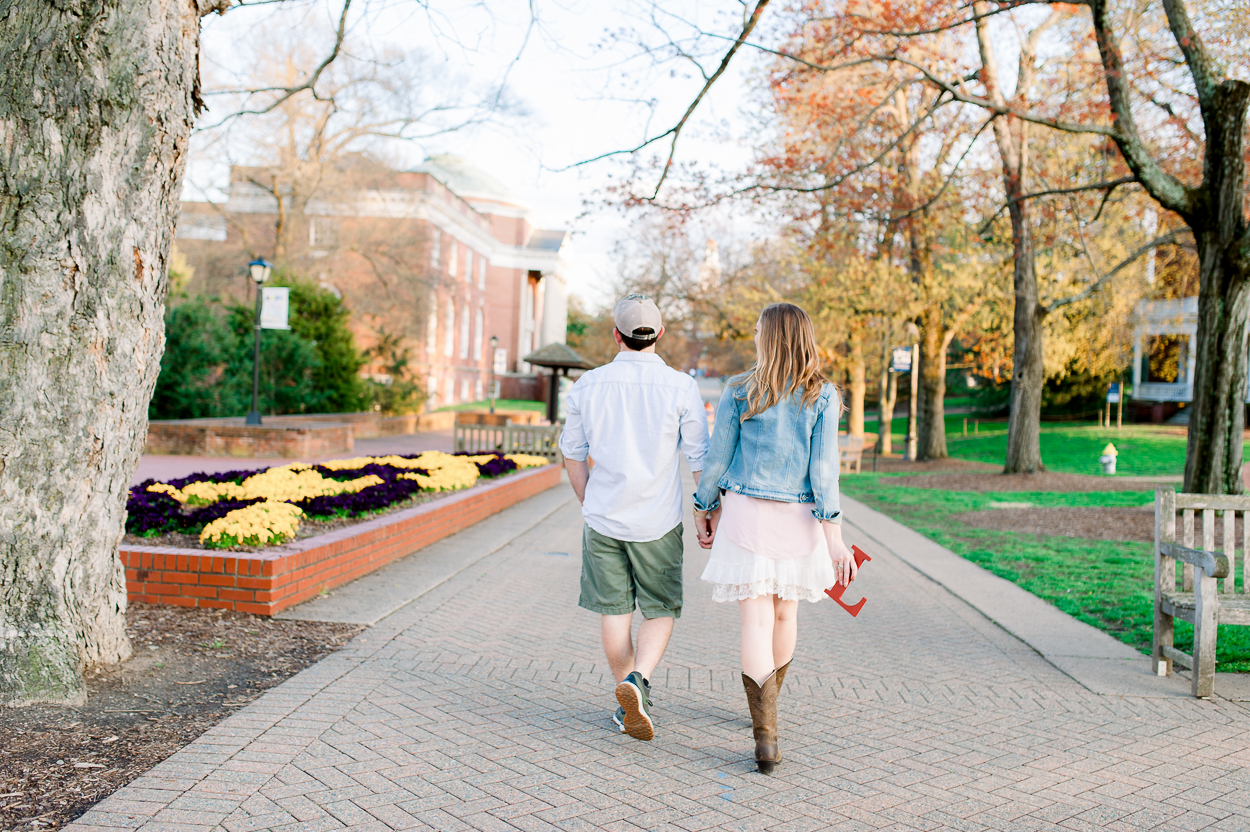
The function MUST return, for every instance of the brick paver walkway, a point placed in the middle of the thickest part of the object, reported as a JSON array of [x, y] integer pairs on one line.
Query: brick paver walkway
[[485, 705]]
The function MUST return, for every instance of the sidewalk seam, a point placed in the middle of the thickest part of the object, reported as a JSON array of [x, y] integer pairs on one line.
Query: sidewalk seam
[[476, 560]]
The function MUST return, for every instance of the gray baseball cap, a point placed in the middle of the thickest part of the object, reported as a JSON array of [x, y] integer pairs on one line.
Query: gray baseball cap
[[637, 312]]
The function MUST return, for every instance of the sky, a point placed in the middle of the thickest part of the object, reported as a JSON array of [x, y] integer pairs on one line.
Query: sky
[[584, 77]]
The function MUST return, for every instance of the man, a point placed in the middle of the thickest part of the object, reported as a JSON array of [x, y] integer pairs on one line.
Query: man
[[633, 417]]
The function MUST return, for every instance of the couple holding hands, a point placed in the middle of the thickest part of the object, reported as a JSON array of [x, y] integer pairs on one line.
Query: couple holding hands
[[766, 502]]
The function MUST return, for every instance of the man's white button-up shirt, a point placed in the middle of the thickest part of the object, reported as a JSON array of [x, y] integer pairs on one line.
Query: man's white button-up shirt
[[633, 417]]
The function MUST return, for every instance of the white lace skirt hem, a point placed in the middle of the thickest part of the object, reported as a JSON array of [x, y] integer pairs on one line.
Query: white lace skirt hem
[[736, 573]]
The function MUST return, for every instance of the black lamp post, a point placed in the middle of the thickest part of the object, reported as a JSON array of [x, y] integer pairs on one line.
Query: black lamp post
[[494, 343], [259, 270]]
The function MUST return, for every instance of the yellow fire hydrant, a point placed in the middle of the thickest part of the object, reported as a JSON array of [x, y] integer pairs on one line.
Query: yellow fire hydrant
[[1107, 459]]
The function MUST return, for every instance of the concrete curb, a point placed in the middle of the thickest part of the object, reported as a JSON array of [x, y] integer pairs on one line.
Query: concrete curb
[[372, 597]]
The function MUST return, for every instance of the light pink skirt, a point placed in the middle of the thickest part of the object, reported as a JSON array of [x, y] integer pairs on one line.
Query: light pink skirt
[[762, 556]]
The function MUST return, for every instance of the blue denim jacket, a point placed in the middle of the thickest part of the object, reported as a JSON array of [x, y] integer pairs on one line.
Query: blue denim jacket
[[787, 453]]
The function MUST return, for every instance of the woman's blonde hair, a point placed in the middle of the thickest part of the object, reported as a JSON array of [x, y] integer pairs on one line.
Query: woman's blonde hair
[[788, 361]]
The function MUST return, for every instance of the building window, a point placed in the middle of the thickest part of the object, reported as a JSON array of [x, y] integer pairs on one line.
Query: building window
[[477, 390], [464, 331], [468, 266], [431, 389], [451, 258], [449, 386], [477, 336], [323, 232], [436, 245], [465, 388], [431, 327], [1166, 359], [481, 272], [449, 331]]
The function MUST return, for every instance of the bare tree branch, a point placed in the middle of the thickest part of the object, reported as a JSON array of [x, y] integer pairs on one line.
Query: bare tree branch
[[1166, 239], [1167, 189], [309, 85], [1093, 186], [675, 130]]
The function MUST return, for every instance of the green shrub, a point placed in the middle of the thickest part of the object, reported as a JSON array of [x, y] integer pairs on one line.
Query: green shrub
[[197, 348]]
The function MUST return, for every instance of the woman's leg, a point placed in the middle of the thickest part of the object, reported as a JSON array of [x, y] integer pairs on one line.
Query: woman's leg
[[757, 636], [785, 630]]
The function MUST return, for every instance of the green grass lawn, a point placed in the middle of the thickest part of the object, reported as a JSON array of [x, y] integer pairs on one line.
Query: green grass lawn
[[500, 404], [1104, 583], [1144, 451]]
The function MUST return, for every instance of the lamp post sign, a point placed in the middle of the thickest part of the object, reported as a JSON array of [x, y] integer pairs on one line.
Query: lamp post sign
[[275, 308]]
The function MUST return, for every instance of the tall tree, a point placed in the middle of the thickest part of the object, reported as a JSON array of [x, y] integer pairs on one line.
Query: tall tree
[[1011, 134], [96, 103], [1214, 208]]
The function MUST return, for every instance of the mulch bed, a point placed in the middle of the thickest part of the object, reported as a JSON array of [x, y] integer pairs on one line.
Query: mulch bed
[[984, 481], [895, 464], [191, 669], [1090, 523]]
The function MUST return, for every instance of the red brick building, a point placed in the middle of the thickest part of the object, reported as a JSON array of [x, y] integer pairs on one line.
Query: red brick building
[[444, 256]]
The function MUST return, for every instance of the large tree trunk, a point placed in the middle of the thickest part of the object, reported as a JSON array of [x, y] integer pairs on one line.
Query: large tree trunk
[[1214, 453], [1024, 450], [932, 408], [97, 100], [858, 385]]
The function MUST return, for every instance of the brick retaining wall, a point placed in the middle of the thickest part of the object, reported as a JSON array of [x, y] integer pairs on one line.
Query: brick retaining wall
[[269, 581], [298, 436], [274, 439]]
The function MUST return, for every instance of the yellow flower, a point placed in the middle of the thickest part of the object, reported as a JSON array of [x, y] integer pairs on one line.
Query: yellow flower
[[282, 483], [446, 472], [527, 460], [259, 524]]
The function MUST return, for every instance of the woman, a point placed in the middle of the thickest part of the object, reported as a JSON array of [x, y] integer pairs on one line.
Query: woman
[[776, 534]]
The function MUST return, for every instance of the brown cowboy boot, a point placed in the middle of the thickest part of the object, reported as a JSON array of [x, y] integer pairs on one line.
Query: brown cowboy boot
[[762, 699], [781, 675]]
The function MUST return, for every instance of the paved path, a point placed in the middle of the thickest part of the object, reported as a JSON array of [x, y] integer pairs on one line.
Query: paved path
[[484, 704]]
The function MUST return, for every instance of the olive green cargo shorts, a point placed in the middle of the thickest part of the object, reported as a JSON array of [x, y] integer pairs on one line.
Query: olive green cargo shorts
[[616, 573]]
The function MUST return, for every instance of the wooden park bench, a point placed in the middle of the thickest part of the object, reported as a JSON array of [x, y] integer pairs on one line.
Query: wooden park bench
[[1208, 594], [850, 449], [539, 440]]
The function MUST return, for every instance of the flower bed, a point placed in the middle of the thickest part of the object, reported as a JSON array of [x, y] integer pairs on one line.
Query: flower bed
[[236, 509], [268, 580]]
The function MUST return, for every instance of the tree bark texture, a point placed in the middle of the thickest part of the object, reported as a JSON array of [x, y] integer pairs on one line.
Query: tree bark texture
[[1214, 453], [932, 410], [97, 99], [858, 385], [1024, 421]]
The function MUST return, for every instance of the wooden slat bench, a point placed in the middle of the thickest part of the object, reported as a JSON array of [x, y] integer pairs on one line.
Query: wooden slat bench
[[850, 450], [539, 440], [1208, 594]]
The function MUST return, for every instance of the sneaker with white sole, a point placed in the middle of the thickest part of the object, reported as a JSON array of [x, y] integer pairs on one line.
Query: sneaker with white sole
[[618, 718], [634, 696]]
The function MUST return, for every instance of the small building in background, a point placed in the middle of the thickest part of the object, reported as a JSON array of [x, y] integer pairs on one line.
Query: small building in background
[[442, 258], [1164, 361]]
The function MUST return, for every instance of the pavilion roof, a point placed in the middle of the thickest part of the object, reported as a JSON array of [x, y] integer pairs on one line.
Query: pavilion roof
[[558, 355]]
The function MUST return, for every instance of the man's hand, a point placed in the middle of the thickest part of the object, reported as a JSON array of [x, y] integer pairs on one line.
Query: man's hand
[[579, 475], [705, 524]]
